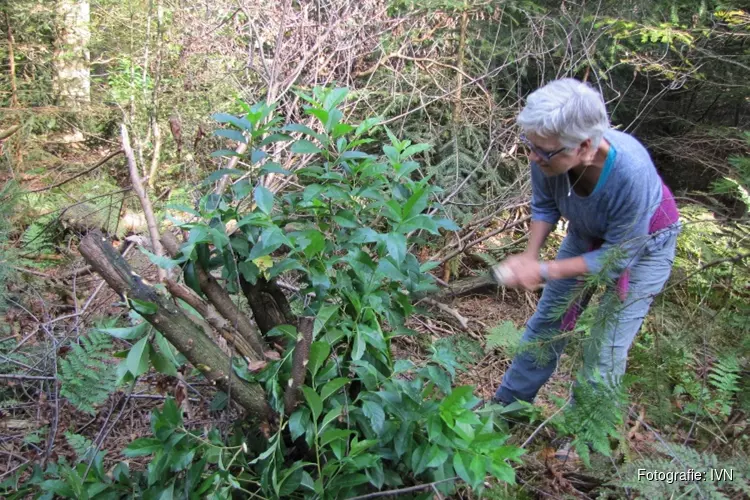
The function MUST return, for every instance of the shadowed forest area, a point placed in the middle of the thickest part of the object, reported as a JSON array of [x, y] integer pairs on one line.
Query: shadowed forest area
[[246, 247]]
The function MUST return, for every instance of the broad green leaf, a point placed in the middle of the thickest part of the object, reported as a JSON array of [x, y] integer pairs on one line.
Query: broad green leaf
[[391, 153], [171, 414], [358, 350], [396, 245], [249, 270], [333, 386], [291, 480], [376, 476], [314, 401], [257, 155], [138, 357], [478, 468], [296, 127], [405, 169], [335, 97], [414, 149], [303, 146], [364, 235], [323, 316], [264, 199], [418, 222], [447, 224], [127, 333], [461, 461], [143, 307], [273, 167], [234, 135], [367, 125], [142, 447], [320, 114], [416, 203], [162, 364], [224, 152], [299, 422], [331, 416], [316, 243], [428, 266], [285, 265], [162, 261], [334, 434], [319, 352], [346, 219], [503, 471], [348, 155], [234, 120], [375, 413], [341, 129], [275, 138]]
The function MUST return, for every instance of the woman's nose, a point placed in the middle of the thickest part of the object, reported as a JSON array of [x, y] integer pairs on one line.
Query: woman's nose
[[534, 157]]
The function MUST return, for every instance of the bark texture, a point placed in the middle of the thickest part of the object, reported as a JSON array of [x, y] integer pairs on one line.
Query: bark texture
[[174, 324]]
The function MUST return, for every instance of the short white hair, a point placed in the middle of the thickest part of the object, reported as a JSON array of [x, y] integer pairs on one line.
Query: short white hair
[[568, 109]]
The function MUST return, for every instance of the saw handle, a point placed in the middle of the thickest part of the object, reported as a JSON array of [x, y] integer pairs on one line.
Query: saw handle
[[501, 274]]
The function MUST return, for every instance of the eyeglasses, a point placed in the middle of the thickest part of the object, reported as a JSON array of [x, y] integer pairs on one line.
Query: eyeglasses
[[544, 155]]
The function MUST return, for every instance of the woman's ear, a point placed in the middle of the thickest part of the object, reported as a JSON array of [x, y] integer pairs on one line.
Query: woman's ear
[[586, 152]]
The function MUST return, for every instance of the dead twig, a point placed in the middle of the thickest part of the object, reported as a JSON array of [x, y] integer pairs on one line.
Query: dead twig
[[88, 170], [148, 210], [462, 320]]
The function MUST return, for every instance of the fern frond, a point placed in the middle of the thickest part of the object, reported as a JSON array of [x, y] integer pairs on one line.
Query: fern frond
[[82, 446], [87, 377]]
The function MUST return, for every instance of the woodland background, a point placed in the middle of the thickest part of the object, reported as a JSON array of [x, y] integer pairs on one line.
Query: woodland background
[[311, 192]]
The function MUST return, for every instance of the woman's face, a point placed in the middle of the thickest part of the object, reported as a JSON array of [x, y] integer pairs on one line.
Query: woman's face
[[552, 157]]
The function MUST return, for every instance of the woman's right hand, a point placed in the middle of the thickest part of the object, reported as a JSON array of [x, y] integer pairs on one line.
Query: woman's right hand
[[522, 270]]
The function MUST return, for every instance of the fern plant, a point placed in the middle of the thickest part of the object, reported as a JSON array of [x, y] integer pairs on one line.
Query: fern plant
[[87, 378], [725, 378], [717, 479], [594, 416], [81, 445]]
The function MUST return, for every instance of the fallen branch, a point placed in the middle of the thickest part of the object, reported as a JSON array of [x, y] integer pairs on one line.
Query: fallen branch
[[404, 490], [12, 376], [450, 311], [172, 322]]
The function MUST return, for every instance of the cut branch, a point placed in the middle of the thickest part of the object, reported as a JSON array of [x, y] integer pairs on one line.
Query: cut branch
[[220, 299], [213, 319], [173, 323], [299, 362]]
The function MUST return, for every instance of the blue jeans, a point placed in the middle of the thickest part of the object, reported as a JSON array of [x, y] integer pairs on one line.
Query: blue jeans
[[614, 328]]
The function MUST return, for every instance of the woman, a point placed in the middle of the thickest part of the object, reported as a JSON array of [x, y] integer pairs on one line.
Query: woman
[[623, 224]]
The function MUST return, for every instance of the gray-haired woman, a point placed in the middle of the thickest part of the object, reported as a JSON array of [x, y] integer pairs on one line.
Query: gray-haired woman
[[623, 223]]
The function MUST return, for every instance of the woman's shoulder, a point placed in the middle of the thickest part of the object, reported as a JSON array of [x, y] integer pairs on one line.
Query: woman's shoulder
[[632, 154]]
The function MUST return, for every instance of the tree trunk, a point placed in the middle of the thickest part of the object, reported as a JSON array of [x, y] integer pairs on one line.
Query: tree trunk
[[269, 304], [173, 323], [72, 74]]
